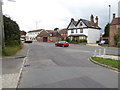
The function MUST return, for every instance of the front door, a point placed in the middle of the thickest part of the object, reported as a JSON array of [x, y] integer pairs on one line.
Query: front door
[[44, 39]]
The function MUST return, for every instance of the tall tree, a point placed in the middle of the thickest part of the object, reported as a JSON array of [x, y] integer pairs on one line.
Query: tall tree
[[107, 30], [55, 29], [11, 31]]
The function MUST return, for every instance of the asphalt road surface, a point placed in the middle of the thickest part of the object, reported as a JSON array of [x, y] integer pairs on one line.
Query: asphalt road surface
[[48, 66]]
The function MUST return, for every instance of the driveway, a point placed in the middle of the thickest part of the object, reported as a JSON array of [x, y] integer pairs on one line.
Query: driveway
[[48, 66]]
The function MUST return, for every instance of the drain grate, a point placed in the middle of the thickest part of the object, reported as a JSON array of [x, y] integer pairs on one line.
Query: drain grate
[[27, 65]]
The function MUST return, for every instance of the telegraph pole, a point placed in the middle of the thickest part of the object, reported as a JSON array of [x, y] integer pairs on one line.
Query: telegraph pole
[[1, 27]]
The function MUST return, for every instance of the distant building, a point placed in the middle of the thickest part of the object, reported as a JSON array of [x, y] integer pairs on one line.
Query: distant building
[[84, 29], [31, 35], [115, 24], [63, 33], [49, 36], [23, 35]]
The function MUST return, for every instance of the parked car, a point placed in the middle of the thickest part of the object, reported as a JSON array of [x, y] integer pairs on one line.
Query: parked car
[[62, 43], [101, 42], [28, 41], [22, 39]]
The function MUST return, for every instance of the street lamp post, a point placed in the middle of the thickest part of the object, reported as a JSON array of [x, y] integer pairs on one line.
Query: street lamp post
[[109, 12]]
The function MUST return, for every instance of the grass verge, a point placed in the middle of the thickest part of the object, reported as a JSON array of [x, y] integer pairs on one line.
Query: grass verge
[[11, 50], [107, 61]]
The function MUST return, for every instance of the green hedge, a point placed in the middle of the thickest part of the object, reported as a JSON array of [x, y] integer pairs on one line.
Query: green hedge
[[83, 41]]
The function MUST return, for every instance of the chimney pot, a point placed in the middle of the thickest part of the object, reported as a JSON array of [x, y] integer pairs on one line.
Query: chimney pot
[[92, 20], [113, 15]]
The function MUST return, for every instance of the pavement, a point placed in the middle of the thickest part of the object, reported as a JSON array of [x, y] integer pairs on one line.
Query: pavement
[[12, 67], [109, 56]]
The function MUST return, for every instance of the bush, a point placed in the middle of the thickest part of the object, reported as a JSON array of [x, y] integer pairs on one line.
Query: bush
[[74, 42], [83, 41], [67, 39], [12, 42]]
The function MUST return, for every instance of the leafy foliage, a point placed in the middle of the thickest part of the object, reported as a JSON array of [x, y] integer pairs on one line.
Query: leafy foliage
[[107, 30], [11, 31], [55, 29], [83, 41]]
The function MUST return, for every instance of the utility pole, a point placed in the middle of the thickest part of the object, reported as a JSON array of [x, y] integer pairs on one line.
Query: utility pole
[[1, 26]]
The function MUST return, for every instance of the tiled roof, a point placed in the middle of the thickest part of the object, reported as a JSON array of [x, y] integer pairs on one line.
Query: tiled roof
[[86, 22], [63, 31], [116, 21], [46, 33], [35, 30]]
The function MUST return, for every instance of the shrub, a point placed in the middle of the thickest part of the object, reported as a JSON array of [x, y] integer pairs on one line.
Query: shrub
[[83, 41]]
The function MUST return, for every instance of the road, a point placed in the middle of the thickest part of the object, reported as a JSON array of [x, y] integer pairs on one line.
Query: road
[[48, 66]]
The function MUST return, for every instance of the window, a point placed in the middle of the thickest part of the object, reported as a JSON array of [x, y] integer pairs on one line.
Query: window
[[81, 30], [72, 31], [76, 30]]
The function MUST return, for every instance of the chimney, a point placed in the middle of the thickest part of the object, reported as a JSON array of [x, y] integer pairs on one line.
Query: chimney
[[96, 24], [92, 20], [113, 15]]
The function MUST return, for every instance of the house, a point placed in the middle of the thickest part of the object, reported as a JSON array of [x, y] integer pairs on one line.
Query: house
[[63, 33], [49, 36], [31, 35], [84, 29], [114, 26], [23, 35]]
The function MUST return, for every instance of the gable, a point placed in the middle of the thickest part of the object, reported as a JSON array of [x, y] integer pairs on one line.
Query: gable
[[71, 25], [81, 24]]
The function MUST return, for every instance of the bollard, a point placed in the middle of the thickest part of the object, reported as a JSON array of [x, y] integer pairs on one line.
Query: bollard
[[95, 53], [99, 51], [104, 53]]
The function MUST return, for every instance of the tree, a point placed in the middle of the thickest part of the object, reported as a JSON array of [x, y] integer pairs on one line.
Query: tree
[[55, 29], [107, 30], [11, 32]]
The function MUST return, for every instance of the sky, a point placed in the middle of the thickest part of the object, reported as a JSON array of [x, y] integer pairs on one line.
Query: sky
[[50, 14]]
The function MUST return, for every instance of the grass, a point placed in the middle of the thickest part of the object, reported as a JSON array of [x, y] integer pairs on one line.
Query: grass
[[11, 50], [108, 61]]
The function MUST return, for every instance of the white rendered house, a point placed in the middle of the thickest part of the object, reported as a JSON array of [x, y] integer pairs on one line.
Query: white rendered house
[[31, 35], [84, 29]]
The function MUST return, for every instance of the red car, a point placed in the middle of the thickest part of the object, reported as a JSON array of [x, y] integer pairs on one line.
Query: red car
[[28, 41], [62, 43]]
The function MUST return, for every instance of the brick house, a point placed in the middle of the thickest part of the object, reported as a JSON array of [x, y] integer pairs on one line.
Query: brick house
[[63, 33], [49, 36], [115, 24]]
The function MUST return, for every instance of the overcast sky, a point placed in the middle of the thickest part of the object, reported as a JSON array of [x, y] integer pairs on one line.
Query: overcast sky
[[49, 14]]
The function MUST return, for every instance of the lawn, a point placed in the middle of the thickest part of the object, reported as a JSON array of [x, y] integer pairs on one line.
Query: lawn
[[107, 61], [11, 50]]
